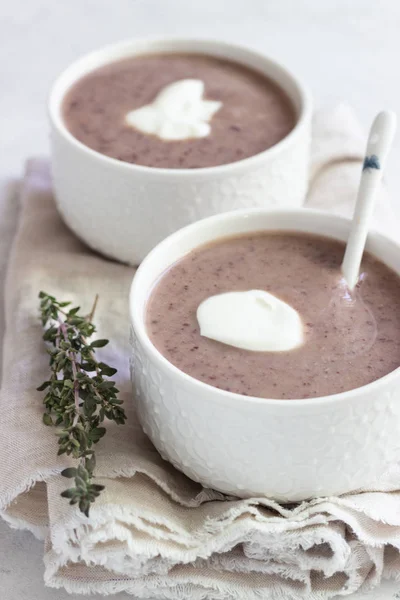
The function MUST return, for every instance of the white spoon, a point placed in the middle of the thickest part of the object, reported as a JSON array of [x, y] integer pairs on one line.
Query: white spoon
[[379, 142]]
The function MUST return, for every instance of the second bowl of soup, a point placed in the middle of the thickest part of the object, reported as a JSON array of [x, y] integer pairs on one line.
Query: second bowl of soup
[[150, 135]]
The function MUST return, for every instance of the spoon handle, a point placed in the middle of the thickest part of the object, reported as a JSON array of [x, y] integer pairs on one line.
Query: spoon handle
[[379, 142]]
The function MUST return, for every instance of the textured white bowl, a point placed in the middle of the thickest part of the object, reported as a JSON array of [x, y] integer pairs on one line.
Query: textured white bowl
[[124, 210], [284, 449]]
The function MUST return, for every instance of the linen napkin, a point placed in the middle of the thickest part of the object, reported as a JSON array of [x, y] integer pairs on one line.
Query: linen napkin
[[153, 532]]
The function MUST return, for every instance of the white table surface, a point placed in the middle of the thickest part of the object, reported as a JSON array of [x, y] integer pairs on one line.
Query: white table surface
[[347, 50]]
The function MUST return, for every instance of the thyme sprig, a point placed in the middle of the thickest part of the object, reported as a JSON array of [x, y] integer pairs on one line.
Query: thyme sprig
[[78, 395]]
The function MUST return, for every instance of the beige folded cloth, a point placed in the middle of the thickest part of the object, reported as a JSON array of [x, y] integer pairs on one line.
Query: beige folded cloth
[[153, 532]]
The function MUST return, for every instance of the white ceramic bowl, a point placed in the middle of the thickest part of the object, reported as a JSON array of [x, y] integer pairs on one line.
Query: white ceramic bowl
[[284, 449], [124, 210]]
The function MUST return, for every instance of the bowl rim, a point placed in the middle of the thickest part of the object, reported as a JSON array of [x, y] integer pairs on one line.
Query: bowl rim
[[202, 44], [139, 328]]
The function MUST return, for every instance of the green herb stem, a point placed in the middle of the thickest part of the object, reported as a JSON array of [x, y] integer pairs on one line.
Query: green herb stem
[[79, 397]]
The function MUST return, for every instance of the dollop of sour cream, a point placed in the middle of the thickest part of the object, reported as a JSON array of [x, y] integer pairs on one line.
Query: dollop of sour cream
[[253, 320], [179, 112]]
